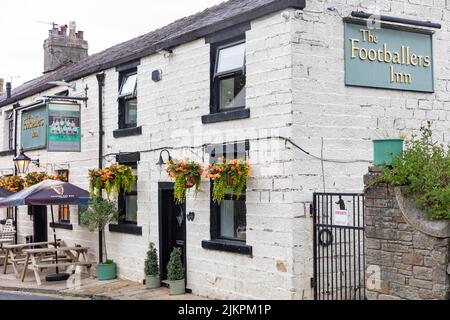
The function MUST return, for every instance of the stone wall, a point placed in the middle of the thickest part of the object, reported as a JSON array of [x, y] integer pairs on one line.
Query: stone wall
[[402, 261]]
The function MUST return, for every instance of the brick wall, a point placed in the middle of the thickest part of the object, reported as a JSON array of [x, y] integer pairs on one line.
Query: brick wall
[[402, 262]]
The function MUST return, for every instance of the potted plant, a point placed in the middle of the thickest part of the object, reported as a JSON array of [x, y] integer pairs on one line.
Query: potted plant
[[152, 278], [114, 178], [97, 216], [231, 176], [387, 149], [175, 273], [186, 175]]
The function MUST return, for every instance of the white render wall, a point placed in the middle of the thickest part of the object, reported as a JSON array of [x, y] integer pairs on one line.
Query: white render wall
[[348, 118], [295, 89]]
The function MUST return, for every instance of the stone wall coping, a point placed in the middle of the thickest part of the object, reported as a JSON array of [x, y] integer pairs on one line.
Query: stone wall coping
[[416, 217]]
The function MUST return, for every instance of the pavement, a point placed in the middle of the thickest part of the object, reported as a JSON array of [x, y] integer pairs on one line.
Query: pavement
[[84, 287], [5, 296]]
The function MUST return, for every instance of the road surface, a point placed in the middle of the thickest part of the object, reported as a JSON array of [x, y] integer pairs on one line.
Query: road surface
[[24, 296]]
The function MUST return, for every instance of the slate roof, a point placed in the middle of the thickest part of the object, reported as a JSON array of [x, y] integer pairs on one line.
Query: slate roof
[[181, 31]]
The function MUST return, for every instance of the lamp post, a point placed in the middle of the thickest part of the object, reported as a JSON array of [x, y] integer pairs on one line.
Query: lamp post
[[161, 160]]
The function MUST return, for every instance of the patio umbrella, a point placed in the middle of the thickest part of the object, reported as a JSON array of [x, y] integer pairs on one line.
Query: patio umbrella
[[4, 193], [49, 193]]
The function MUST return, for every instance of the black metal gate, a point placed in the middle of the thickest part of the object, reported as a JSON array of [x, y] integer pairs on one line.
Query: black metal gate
[[339, 264]]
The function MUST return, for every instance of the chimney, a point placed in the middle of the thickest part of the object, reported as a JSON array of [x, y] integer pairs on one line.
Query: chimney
[[8, 90], [2, 83], [61, 48]]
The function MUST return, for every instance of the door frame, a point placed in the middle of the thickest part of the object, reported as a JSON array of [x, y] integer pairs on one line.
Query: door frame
[[169, 186]]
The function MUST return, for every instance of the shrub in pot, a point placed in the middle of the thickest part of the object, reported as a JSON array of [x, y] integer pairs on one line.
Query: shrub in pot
[[97, 216], [152, 278], [175, 273]]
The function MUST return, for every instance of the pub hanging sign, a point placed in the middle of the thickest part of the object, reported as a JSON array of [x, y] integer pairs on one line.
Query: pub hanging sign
[[34, 128], [55, 126], [388, 58]]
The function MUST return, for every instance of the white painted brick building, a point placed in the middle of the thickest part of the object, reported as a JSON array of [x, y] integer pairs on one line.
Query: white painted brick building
[[295, 89]]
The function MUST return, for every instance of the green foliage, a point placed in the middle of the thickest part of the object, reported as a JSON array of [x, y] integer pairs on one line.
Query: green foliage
[[179, 192], [186, 174], [151, 263], [175, 269], [232, 175], [99, 214], [220, 187], [425, 169], [109, 261]]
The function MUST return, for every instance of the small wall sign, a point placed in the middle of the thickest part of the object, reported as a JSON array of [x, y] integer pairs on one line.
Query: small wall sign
[[388, 58], [341, 218]]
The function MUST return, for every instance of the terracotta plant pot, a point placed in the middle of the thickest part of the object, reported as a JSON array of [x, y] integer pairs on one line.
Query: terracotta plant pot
[[229, 179], [190, 181]]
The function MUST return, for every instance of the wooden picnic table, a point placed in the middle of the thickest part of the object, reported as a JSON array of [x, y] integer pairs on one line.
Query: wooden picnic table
[[38, 261], [14, 254]]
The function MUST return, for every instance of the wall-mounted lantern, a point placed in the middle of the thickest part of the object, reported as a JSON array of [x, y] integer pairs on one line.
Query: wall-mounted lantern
[[22, 162]]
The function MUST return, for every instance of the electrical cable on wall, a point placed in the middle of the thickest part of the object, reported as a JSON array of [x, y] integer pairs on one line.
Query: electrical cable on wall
[[287, 140]]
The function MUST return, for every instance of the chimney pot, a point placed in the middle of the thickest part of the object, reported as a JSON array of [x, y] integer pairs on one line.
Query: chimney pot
[[2, 82], [60, 48], [8, 90]]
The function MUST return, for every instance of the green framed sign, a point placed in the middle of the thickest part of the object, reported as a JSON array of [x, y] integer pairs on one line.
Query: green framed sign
[[34, 128], [53, 126], [389, 58], [64, 127]]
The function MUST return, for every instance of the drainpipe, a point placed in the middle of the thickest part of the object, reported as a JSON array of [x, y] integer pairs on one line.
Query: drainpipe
[[101, 85], [15, 107]]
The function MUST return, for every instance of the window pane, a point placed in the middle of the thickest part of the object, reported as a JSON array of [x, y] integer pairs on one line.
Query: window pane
[[232, 92], [131, 111], [131, 208], [231, 58], [233, 220], [128, 85]]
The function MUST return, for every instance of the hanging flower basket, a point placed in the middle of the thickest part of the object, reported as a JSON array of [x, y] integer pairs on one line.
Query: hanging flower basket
[[232, 176], [113, 179], [13, 183], [186, 175]]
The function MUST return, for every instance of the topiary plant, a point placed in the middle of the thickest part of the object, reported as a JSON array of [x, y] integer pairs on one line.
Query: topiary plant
[[151, 263], [175, 269], [98, 215]]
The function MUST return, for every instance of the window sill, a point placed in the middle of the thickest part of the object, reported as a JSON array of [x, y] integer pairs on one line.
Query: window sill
[[129, 132], [228, 246], [7, 153], [65, 226], [126, 228], [226, 116]]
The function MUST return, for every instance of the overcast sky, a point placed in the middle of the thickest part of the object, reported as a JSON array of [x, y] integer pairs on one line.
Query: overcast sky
[[105, 23]]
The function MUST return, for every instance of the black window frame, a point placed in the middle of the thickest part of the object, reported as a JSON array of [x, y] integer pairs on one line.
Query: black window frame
[[121, 201], [217, 77], [64, 173], [122, 100], [215, 219]]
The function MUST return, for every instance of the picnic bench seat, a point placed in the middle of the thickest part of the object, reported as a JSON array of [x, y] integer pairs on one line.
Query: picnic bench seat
[[65, 264], [37, 263]]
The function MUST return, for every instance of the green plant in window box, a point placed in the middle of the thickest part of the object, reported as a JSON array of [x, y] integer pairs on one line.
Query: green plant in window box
[[232, 175], [186, 175], [115, 178], [175, 273], [152, 278], [424, 168]]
